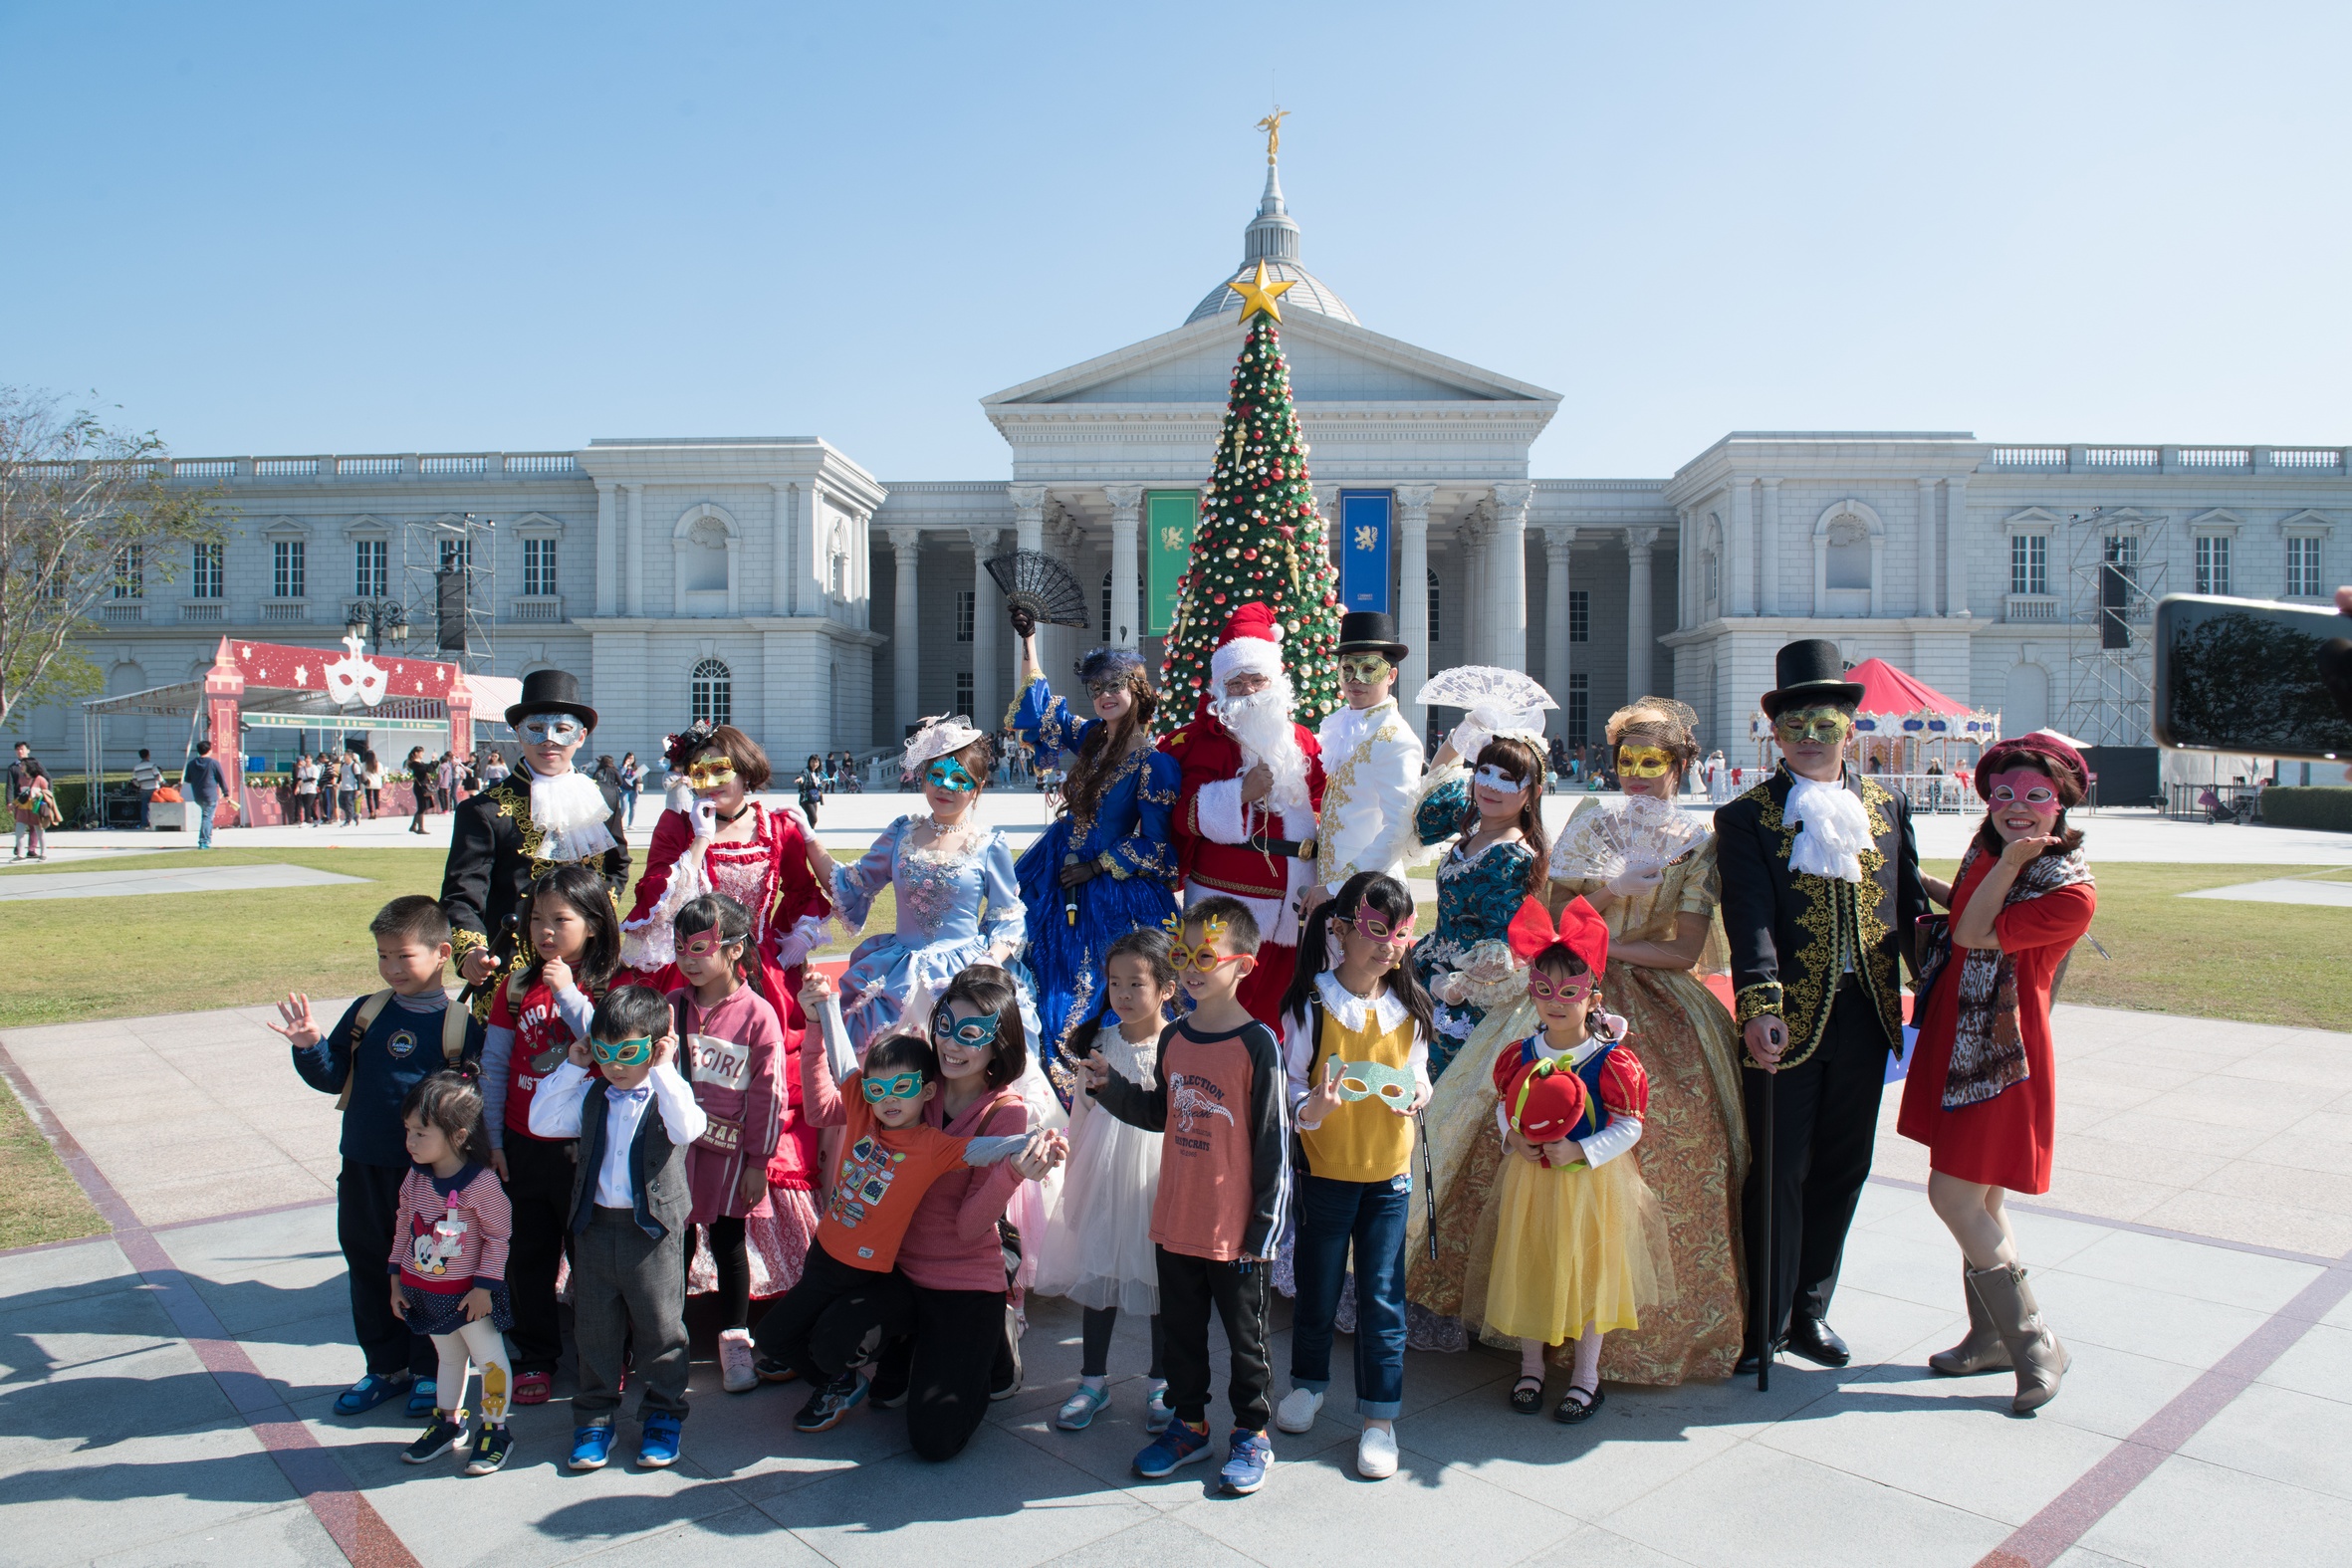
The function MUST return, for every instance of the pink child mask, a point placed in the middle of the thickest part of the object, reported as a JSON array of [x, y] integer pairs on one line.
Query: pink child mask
[[2028, 788]]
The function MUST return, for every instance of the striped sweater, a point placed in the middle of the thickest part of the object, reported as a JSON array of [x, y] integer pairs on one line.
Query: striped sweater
[[450, 1235]]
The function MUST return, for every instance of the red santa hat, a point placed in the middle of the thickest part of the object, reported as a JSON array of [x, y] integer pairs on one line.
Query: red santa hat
[[1252, 641]]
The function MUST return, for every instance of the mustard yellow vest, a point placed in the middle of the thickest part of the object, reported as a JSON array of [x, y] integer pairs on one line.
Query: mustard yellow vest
[[1363, 1140]]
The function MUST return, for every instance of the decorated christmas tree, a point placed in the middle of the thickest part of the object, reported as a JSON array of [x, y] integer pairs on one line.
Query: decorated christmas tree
[[1259, 537]]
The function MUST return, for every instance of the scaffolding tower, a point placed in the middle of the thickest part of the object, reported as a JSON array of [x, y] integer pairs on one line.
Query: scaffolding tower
[[2110, 665], [464, 545]]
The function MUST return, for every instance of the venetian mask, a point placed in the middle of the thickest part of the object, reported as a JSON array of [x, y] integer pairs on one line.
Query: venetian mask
[[1827, 724]]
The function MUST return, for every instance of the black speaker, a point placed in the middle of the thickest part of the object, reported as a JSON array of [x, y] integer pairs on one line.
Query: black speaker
[[449, 610], [2114, 596]]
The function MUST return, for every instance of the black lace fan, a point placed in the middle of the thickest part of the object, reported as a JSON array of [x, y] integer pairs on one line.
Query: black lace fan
[[1034, 581]]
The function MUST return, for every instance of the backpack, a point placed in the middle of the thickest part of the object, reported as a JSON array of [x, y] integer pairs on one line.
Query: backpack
[[454, 1020]]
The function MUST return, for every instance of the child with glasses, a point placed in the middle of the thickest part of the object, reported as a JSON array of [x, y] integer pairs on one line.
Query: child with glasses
[[850, 1301], [1224, 1186], [1355, 1049], [631, 1205], [957, 897], [1581, 1244]]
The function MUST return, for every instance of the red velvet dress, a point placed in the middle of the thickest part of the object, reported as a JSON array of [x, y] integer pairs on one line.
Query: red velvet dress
[[2006, 1141], [768, 874]]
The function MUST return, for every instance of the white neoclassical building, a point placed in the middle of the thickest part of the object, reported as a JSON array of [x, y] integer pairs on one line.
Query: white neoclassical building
[[777, 582]]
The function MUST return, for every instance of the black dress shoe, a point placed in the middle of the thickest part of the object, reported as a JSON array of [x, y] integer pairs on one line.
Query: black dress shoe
[[1749, 1363], [1818, 1342]]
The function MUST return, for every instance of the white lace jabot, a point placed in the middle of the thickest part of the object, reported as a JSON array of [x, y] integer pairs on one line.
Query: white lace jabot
[[1836, 830], [572, 813]]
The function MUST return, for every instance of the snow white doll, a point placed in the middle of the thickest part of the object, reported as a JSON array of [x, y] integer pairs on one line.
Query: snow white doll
[[1105, 866]]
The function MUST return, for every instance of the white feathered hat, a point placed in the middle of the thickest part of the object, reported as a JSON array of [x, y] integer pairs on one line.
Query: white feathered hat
[[940, 735]]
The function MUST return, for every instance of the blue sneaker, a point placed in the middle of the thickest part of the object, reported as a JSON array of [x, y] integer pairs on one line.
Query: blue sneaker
[[1246, 1463], [422, 1397], [1179, 1445], [658, 1450], [591, 1445], [371, 1391]]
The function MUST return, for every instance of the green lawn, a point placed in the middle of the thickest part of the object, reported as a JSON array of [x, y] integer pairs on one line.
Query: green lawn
[[2210, 958], [39, 1201]]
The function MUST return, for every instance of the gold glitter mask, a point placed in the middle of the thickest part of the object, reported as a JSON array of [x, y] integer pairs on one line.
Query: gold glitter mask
[[1824, 726], [1644, 762]]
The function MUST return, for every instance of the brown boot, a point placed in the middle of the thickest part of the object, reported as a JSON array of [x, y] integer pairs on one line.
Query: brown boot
[[1982, 1350], [2034, 1351]]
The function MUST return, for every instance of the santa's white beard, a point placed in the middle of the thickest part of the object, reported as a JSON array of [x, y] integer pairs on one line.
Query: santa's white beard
[[1260, 722]]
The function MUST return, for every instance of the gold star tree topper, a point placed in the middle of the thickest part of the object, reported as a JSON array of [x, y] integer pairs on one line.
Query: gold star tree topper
[[1259, 295]]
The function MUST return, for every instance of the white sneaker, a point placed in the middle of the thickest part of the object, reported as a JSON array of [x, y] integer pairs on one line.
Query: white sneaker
[[735, 1372], [1298, 1410], [1375, 1454]]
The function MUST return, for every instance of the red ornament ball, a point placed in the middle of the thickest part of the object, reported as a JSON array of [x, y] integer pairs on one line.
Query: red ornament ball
[[1217, 598]]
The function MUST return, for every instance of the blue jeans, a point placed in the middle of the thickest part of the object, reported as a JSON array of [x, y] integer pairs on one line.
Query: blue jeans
[[204, 810], [1371, 1215]]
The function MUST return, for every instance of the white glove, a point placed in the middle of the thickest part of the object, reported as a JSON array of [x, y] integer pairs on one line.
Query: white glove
[[1468, 737], [796, 943], [1634, 881], [706, 818]]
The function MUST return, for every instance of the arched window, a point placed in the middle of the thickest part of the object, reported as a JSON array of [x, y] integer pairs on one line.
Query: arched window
[[1433, 621], [713, 692]]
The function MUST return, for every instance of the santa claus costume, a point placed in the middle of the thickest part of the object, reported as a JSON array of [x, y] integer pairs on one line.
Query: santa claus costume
[[1249, 851]]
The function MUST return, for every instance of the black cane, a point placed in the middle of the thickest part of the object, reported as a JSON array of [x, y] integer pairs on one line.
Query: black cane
[[1765, 1292], [1428, 1183]]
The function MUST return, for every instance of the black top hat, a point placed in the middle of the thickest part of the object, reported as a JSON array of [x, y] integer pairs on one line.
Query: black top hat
[[551, 690], [1811, 671], [1370, 631]]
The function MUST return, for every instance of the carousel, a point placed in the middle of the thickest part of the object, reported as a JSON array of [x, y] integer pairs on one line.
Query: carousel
[[1909, 736]]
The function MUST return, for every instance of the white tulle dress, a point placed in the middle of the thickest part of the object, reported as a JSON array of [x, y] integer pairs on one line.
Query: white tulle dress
[[1097, 1247]]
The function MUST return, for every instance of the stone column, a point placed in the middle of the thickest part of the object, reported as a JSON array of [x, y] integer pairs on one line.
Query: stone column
[[633, 568], [1925, 599], [1558, 541], [987, 609], [1478, 607], [1769, 599], [779, 585], [607, 549], [907, 623], [1412, 597], [1640, 643], [1956, 548], [1126, 609], [1738, 585], [1510, 577]]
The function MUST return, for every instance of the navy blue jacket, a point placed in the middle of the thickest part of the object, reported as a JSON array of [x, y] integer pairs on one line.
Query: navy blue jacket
[[206, 782], [402, 1051]]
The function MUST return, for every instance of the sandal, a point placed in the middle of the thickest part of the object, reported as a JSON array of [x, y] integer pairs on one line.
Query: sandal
[[1572, 1410], [1527, 1395], [1079, 1411]]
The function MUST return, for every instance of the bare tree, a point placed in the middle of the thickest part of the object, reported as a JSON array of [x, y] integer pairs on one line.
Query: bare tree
[[83, 505]]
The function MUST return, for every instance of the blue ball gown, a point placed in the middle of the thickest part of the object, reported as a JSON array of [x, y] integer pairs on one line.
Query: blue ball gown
[[953, 910], [1134, 882]]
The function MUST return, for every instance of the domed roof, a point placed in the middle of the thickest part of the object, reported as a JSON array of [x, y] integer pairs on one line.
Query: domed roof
[[1273, 238]]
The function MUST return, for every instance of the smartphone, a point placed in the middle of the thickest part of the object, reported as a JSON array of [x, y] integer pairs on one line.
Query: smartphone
[[2252, 676]]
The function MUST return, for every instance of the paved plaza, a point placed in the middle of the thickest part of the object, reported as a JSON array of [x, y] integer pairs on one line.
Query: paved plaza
[[165, 1391]]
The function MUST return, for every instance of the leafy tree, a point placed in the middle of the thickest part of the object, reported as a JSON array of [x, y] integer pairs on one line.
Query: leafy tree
[[80, 502]]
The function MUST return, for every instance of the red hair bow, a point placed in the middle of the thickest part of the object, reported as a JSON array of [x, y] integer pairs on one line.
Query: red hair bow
[[1581, 930]]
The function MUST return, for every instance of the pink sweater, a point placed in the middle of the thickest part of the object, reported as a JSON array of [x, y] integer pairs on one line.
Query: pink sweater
[[951, 1241]]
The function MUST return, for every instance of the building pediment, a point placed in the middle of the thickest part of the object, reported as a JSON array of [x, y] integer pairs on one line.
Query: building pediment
[[1330, 361]]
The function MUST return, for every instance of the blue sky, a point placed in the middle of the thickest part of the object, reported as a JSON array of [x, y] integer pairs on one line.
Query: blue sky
[[291, 229]]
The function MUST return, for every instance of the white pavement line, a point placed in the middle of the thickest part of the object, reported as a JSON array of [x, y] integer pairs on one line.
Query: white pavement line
[[2283, 890], [133, 881]]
